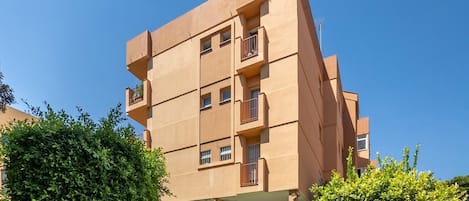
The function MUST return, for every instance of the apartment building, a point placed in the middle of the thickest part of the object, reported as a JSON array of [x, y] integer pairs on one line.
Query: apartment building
[[240, 99], [10, 114]]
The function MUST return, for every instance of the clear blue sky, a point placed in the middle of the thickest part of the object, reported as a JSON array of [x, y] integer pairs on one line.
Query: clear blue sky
[[407, 60]]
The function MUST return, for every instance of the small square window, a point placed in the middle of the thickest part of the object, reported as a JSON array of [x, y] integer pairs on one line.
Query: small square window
[[362, 142], [225, 95], [225, 37], [206, 45], [205, 101], [225, 153], [205, 157]]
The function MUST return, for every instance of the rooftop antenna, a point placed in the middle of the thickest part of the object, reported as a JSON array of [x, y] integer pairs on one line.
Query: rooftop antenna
[[320, 23]]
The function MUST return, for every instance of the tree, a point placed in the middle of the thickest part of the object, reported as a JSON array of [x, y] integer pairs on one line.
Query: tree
[[59, 157], [462, 182], [6, 94], [391, 181]]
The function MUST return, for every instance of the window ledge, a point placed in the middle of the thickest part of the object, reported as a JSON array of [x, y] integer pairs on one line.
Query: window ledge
[[206, 107], [216, 164], [225, 101], [206, 51], [223, 43]]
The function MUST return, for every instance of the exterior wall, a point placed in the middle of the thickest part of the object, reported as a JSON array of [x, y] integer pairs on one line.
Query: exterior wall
[[350, 124], [311, 107], [304, 122], [12, 114], [216, 122], [363, 129]]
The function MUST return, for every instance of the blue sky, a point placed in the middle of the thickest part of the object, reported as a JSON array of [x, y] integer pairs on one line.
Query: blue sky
[[406, 59]]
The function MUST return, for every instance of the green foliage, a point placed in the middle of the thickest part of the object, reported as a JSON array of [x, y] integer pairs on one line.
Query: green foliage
[[462, 182], [63, 158], [392, 181], [6, 94]]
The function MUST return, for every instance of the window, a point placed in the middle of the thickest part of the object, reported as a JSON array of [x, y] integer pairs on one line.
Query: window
[[225, 37], [205, 45], [362, 142], [225, 153], [205, 101], [225, 95], [205, 157]]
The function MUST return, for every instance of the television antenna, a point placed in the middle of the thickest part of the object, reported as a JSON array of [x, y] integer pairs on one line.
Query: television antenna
[[320, 23]]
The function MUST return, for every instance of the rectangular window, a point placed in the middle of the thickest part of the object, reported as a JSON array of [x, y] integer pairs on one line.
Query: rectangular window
[[225, 37], [205, 45], [225, 153], [205, 157], [205, 101], [362, 142], [225, 95]]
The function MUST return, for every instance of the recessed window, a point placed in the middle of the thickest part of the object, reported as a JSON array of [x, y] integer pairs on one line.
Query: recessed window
[[225, 37], [205, 101], [205, 157], [362, 142], [205, 45], [225, 95], [225, 153]]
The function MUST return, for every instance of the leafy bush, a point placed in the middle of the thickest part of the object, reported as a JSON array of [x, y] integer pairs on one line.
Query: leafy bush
[[63, 158], [391, 181]]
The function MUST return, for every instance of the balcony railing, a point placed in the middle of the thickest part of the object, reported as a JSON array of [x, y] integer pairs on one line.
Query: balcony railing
[[249, 110], [250, 47], [249, 174], [136, 94]]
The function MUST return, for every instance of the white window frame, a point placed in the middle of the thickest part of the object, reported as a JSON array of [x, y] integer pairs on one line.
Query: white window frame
[[222, 92], [202, 101], [205, 45], [363, 137], [205, 157], [223, 39], [225, 153]]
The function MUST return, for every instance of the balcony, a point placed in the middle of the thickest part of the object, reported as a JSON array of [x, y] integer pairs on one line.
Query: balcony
[[249, 174], [251, 114], [138, 55], [137, 101], [253, 177], [251, 53]]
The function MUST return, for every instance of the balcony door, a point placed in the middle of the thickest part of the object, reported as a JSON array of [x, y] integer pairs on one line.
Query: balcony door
[[254, 153], [255, 93]]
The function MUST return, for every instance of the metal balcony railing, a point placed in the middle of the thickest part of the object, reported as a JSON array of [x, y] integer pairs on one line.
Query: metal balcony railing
[[249, 110], [136, 94], [249, 174], [250, 47]]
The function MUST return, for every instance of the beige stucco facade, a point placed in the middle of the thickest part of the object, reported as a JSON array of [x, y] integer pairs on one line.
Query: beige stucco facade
[[10, 115], [240, 99]]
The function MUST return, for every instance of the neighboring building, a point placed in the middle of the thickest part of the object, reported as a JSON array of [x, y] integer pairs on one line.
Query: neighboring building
[[238, 95], [11, 114]]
